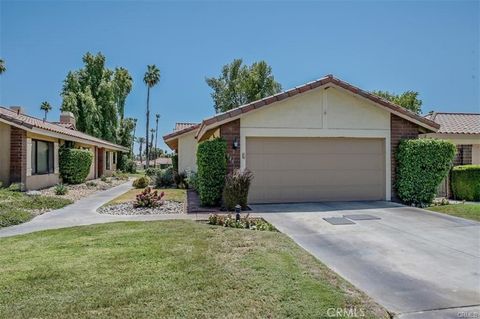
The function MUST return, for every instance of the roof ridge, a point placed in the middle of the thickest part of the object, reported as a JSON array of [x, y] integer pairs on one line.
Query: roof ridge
[[459, 113]]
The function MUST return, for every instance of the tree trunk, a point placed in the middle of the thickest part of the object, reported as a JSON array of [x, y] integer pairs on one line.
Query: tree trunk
[[133, 141], [156, 140], [147, 164], [141, 162]]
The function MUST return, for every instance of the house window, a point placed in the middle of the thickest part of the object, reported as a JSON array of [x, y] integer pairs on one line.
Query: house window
[[107, 155], [114, 158], [42, 157]]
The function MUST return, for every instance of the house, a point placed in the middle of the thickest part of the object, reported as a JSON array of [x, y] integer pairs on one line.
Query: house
[[322, 141], [463, 130], [161, 162], [30, 149]]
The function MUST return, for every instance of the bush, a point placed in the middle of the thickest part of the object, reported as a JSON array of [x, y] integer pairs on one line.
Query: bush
[[212, 168], [74, 164], [151, 172], [236, 189], [164, 178], [14, 217], [465, 182], [130, 167], [16, 187], [180, 179], [422, 164], [60, 189], [149, 199], [191, 180], [91, 184], [141, 182], [175, 162]]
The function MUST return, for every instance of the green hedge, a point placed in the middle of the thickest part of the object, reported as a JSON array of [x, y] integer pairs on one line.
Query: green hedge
[[175, 162], [212, 168], [422, 164], [465, 182], [74, 165]]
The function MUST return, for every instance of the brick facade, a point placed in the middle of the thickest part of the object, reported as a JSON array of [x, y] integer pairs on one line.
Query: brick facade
[[399, 129], [18, 155], [229, 132]]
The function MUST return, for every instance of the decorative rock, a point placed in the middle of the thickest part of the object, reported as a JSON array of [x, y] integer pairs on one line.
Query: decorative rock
[[33, 193], [168, 207]]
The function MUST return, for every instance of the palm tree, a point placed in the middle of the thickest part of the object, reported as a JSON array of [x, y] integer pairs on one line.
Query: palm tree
[[151, 78], [151, 145], [133, 139], [2, 66], [141, 140], [45, 106], [157, 116]]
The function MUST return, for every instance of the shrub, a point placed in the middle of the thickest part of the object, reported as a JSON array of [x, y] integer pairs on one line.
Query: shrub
[[422, 165], [121, 176], [236, 189], [212, 168], [149, 199], [141, 182], [164, 178], [130, 167], [60, 189], [180, 179], [465, 182], [74, 164], [151, 172], [16, 187], [14, 217], [175, 162], [191, 180], [91, 184]]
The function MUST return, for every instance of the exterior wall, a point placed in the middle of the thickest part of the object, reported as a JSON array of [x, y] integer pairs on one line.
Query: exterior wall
[[476, 154], [330, 112], [187, 152], [461, 139], [400, 129], [113, 167], [5, 154], [230, 132], [42, 180], [18, 155]]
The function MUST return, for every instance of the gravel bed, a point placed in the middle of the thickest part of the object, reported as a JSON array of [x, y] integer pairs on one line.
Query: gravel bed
[[168, 207], [76, 192]]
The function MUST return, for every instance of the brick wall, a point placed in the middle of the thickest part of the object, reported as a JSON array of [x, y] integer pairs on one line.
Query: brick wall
[[229, 132], [18, 155], [399, 129]]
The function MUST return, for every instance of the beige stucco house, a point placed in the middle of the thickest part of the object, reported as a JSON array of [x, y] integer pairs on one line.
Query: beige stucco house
[[30, 149], [322, 141]]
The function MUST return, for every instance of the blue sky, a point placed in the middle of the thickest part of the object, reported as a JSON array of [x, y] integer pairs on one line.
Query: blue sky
[[431, 47]]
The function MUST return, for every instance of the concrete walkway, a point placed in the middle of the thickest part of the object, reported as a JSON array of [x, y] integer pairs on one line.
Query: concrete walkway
[[83, 212]]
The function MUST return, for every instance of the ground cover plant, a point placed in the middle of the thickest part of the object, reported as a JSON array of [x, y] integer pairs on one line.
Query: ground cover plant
[[464, 210]]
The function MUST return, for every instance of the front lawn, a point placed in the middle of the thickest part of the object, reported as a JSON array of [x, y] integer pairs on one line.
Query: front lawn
[[171, 194], [17, 207], [167, 269], [469, 211]]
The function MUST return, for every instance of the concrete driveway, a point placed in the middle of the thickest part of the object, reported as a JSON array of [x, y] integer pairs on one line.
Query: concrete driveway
[[417, 264]]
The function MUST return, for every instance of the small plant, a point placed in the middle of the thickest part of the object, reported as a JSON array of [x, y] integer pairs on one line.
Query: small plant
[[141, 182], [149, 198], [152, 172], [192, 180], [60, 189], [91, 184], [245, 222], [103, 178], [14, 217], [121, 176], [164, 178], [15, 187], [236, 189], [180, 179]]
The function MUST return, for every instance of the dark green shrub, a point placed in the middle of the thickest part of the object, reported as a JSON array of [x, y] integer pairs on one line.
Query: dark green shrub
[[164, 178], [14, 217], [151, 172], [74, 164], [236, 189], [149, 199], [465, 182], [212, 168], [104, 178], [60, 189], [180, 179], [175, 162], [422, 164], [130, 166], [16, 187], [192, 180], [141, 182]]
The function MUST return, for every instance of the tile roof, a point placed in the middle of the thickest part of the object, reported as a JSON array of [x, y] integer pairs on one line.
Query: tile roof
[[176, 133], [31, 122], [234, 113], [456, 123], [182, 126], [158, 161]]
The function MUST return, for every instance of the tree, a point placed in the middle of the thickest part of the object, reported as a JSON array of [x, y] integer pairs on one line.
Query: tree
[[125, 137], [141, 140], [408, 99], [239, 84], [133, 136], [3, 68], [46, 107], [93, 94], [152, 130], [157, 117], [151, 78]]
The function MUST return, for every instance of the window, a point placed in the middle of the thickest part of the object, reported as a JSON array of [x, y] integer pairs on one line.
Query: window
[[107, 155], [114, 157], [42, 157]]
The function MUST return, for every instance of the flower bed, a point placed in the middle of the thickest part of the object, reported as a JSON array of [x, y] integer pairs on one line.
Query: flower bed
[[168, 207], [245, 222]]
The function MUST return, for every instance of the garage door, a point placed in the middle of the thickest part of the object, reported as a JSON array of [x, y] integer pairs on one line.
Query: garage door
[[316, 169]]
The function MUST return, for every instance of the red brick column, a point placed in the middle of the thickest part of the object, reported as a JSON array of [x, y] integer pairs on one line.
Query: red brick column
[[18, 155], [399, 129], [229, 132]]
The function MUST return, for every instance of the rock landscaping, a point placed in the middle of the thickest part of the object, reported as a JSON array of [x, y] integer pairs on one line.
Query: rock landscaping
[[168, 207]]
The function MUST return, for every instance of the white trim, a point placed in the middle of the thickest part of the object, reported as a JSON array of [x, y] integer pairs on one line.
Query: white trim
[[29, 156], [56, 167]]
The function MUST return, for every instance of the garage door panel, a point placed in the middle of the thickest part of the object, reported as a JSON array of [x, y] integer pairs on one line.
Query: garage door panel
[[316, 169]]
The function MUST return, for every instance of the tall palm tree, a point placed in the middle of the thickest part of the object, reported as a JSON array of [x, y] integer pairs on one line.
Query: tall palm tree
[[157, 116], [2, 66], [140, 141], [151, 146], [151, 78], [133, 138], [46, 107]]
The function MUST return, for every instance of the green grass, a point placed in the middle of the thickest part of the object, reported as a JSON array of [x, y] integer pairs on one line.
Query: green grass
[[469, 211], [17, 207], [172, 194], [167, 269]]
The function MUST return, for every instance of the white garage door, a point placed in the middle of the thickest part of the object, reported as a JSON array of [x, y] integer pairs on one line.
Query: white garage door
[[315, 169]]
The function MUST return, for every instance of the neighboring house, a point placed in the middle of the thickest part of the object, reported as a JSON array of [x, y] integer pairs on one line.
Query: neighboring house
[[325, 140], [462, 129], [161, 162], [30, 149]]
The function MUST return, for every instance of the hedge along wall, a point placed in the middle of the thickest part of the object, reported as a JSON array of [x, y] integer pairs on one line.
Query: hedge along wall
[[74, 164], [422, 164], [465, 182], [211, 170]]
